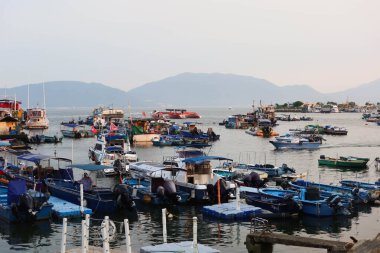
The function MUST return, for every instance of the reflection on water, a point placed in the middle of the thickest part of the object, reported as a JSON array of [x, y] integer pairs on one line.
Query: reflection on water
[[146, 225]]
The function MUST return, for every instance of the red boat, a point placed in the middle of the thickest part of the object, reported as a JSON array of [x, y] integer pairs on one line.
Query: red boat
[[175, 114]]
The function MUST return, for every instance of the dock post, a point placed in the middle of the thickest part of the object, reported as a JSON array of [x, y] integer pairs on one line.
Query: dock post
[[218, 186], [106, 246], [64, 233], [87, 230], [195, 235], [127, 236], [81, 199], [84, 237], [164, 232], [237, 198]]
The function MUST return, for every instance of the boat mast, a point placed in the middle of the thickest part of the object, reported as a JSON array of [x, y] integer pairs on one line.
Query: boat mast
[[43, 88], [28, 96]]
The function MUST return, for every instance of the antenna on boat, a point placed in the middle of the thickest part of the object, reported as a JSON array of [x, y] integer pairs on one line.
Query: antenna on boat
[[28, 96], [43, 89]]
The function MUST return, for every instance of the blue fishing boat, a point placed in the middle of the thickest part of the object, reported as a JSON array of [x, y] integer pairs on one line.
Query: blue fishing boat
[[356, 195], [156, 191], [101, 199], [296, 143], [254, 197], [372, 188], [311, 201], [17, 204]]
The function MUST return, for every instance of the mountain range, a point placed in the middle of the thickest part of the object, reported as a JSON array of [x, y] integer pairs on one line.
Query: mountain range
[[185, 90]]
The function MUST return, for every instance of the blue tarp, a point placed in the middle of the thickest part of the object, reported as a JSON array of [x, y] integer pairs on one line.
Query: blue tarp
[[89, 167], [201, 159], [71, 125], [15, 189], [114, 148], [36, 158], [4, 143]]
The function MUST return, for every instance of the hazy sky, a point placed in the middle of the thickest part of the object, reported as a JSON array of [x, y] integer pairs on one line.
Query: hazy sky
[[330, 45]]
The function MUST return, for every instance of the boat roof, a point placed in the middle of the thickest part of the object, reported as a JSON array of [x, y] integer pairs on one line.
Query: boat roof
[[114, 148], [4, 143], [39, 157], [89, 167], [33, 157], [200, 159]]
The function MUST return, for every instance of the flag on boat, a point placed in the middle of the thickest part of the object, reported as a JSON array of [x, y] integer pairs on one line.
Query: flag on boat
[[93, 130], [144, 114], [113, 127]]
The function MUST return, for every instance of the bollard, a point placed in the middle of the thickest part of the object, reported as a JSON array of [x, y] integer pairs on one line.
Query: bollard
[[164, 233], [87, 230], [106, 246], [64, 233], [195, 235], [84, 236], [237, 198], [127, 236], [81, 199]]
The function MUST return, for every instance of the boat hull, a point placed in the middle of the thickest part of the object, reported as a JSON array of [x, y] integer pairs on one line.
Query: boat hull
[[301, 145]]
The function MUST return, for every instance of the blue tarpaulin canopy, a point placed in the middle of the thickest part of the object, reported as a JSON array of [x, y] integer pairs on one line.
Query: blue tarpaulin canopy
[[89, 167], [200, 159], [33, 157], [114, 148], [71, 125]]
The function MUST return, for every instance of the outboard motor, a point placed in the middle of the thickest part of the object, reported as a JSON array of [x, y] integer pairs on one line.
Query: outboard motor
[[171, 191], [123, 198], [213, 191], [335, 202], [361, 194], [253, 180]]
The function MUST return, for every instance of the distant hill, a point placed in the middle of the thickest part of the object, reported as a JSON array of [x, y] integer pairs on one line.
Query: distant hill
[[69, 94], [361, 94], [186, 90], [190, 89]]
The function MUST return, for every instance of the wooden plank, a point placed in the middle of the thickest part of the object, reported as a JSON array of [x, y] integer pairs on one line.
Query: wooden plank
[[277, 238]]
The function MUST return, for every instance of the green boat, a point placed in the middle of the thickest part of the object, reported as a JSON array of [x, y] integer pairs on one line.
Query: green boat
[[343, 161]]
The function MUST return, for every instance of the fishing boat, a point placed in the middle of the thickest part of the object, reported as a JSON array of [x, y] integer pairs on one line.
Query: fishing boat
[[372, 188], [311, 201], [41, 138], [357, 195], [343, 161], [297, 143], [113, 149], [35, 168], [175, 114], [262, 132], [195, 177], [254, 197], [271, 170], [155, 190], [334, 130], [36, 119], [17, 204], [76, 131], [101, 199]]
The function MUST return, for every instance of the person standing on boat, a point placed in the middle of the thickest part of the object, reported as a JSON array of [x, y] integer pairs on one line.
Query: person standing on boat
[[86, 181]]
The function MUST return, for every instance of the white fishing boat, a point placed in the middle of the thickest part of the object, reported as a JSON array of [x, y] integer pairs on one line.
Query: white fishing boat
[[36, 119]]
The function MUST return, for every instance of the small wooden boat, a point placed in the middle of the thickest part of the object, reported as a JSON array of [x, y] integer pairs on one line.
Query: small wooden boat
[[372, 188], [343, 161], [276, 205], [311, 201], [41, 138], [356, 195]]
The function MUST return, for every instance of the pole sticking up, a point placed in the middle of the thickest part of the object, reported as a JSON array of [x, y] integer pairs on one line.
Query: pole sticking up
[[127, 236], [64, 234], [164, 232]]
